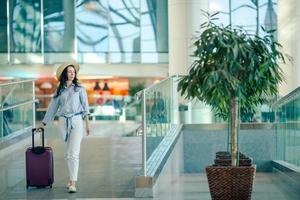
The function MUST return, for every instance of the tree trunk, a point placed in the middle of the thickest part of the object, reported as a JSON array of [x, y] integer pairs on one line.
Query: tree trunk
[[234, 105]]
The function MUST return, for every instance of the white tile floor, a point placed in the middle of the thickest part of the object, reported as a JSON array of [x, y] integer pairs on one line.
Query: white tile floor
[[108, 166], [107, 169], [194, 186]]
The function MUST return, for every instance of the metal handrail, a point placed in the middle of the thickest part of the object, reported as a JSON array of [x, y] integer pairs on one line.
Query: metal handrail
[[32, 100], [18, 105], [10, 93], [144, 129], [16, 82]]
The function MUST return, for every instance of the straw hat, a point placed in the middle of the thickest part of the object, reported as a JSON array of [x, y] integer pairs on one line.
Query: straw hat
[[61, 68]]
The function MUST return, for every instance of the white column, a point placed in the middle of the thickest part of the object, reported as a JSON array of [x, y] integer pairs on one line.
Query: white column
[[288, 29], [185, 17], [69, 31]]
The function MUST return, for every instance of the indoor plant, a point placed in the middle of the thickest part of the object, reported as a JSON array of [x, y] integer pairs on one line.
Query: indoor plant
[[232, 71]]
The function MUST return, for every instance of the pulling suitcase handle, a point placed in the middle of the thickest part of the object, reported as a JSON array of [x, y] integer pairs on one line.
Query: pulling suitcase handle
[[38, 150]]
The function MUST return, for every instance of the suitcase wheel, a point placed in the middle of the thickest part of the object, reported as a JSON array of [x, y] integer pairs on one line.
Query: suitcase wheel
[[27, 186], [50, 186]]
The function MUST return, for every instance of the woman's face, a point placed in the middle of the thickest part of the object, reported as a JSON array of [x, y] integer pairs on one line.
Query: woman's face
[[71, 73]]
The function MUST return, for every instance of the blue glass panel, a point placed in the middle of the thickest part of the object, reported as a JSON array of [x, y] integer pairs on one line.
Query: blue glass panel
[[58, 36], [221, 6], [3, 27], [25, 16], [287, 131], [124, 28], [244, 14], [92, 26], [148, 26], [268, 15], [250, 14], [154, 31]]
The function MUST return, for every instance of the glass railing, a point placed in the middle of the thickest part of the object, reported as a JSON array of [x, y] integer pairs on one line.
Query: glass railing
[[133, 111], [288, 128], [17, 107], [197, 112], [159, 107]]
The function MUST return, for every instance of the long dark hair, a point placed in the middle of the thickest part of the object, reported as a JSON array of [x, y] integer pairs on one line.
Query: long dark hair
[[63, 81]]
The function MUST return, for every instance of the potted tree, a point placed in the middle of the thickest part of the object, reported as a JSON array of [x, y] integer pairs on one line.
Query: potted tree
[[233, 71]]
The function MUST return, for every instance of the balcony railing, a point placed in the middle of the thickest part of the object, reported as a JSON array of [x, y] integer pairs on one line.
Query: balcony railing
[[17, 107]]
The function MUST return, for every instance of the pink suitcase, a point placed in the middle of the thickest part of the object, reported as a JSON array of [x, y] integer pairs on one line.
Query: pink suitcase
[[39, 164]]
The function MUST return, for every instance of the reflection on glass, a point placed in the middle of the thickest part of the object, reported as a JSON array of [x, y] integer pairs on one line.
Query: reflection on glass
[[3, 27], [25, 26], [243, 14], [268, 19], [287, 130], [6, 118], [17, 93], [148, 27], [91, 17], [20, 117], [124, 28], [154, 30], [222, 7], [250, 14], [154, 26], [158, 115], [16, 119], [59, 26], [107, 31], [124, 57]]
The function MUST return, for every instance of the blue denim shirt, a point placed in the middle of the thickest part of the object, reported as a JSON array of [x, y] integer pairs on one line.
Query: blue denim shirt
[[69, 102]]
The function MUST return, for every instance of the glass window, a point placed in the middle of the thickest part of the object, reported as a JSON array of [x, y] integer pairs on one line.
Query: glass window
[[148, 26], [3, 33], [102, 31], [124, 30], [268, 15], [59, 26], [154, 30], [25, 16], [221, 6], [91, 17], [243, 13], [250, 14], [3, 27], [154, 26]]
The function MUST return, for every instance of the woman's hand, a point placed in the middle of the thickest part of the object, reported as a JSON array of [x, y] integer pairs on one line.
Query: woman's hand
[[39, 127]]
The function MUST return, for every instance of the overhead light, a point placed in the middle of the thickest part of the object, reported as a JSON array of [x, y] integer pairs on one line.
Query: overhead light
[[156, 81], [105, 88], [90, 5], [97, 86]]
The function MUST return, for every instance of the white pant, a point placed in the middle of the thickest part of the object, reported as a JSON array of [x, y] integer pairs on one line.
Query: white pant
[[72, 146]]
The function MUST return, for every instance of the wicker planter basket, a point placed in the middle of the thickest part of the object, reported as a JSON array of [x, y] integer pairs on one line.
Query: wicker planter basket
[[227, 162], [223, 158], [223, 154], [230, 183]]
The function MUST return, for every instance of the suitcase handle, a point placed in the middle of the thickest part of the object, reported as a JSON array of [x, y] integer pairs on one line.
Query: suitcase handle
[[34, 130]]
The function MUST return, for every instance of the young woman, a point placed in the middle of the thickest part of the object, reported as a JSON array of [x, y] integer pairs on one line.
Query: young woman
[[71, 106]]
